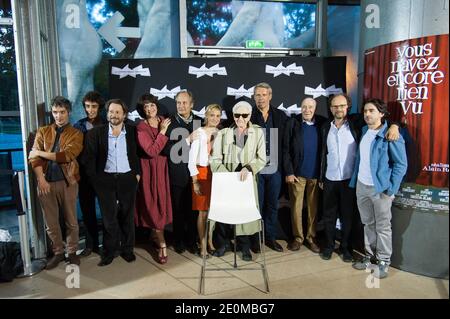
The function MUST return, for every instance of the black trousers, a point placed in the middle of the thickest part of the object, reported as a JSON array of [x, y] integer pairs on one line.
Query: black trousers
[[339, 200], [223, 233], [86, 195], [116, 195], [184, 220]]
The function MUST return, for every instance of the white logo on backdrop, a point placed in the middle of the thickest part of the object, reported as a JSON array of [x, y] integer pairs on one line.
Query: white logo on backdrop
[[320, 91], [203, 70], [202, 112], [240, 92], [133, 116], [280, 69], [293, 109], [165, 92], [126, 71]]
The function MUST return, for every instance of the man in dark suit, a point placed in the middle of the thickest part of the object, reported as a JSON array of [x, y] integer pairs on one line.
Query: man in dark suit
[[112, 165], [270, 179], [93, 104], [177, 151]]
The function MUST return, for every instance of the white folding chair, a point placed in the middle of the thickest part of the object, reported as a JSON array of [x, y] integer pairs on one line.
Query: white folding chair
[[233, 202]]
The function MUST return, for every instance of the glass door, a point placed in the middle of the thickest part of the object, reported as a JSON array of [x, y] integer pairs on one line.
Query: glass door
[[11, 151]]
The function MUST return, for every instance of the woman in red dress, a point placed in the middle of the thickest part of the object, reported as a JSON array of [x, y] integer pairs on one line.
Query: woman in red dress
[[201, 174], [153, 202]]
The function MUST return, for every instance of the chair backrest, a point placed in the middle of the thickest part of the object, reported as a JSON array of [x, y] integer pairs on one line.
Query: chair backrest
[[233, 201]]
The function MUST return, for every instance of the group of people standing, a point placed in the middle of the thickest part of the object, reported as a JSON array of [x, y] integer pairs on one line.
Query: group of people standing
[[159, 171]]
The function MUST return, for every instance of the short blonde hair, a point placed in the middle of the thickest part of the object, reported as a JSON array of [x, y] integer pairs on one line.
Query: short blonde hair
[[212, 107]]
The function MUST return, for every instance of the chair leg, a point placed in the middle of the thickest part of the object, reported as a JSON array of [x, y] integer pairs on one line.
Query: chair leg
[[201, 287], [200, 284], [263, 266], [235, 244]]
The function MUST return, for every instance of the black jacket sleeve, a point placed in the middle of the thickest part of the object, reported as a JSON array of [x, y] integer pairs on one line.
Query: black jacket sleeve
[[133, 158], [287, 140], [89, 156]]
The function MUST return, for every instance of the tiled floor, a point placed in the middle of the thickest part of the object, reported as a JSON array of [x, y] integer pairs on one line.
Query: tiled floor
[[292, 275]]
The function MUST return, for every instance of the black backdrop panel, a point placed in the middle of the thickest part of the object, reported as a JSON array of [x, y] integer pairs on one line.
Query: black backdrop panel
[[220, 77]]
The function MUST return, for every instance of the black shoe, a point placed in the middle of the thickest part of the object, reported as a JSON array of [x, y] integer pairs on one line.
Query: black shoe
[[199, 254], [105, 261], [193, 249], [229, 246], [272, 244], [179, 248], [326, 254], [86, 252], [129, 257], [246, 255], [255, 249], [219, 252], [346, 256]]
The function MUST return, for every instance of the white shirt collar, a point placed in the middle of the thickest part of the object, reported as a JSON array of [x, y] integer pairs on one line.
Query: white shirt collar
[[310, 122]]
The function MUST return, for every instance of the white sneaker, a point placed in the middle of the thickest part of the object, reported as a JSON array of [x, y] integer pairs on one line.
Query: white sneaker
[[362, 264], [382, 270]]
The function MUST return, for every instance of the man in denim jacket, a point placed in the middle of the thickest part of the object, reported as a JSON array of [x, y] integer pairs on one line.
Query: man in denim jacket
[[379, 169]]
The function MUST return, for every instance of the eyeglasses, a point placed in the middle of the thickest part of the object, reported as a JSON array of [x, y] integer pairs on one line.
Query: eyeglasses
[[340, 106], [238, 115]]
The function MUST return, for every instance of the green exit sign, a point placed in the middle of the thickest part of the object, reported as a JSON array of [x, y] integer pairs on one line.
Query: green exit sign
[[254, 44]]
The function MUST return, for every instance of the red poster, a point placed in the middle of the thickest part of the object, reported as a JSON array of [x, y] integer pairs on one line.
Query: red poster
[[412, 76]]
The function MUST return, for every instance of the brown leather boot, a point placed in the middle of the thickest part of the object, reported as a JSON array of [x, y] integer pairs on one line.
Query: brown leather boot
[[54, 261], [74, 259]]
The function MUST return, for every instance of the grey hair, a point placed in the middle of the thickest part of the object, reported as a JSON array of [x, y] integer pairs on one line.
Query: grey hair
[[242, 104], [263, 85]]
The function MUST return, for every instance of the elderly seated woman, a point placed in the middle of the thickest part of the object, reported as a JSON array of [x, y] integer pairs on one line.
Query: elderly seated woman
[[239, 148]]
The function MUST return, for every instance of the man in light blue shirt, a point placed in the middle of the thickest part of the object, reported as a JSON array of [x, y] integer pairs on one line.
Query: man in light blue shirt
[[117, 159], [112, 166], [339, 146]]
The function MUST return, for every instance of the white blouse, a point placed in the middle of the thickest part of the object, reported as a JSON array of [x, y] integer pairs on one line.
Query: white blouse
[[198, 154]]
